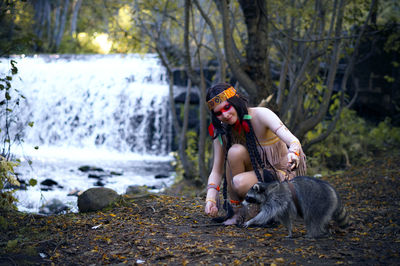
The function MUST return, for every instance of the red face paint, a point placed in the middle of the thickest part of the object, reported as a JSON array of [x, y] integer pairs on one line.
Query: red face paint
[[224, 109]]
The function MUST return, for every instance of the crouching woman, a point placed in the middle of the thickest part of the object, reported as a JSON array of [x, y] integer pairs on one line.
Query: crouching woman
[[250, 144]]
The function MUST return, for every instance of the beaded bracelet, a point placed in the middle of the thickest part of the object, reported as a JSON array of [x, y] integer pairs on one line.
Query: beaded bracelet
[[235, 202], [208, 199], [212, 185]]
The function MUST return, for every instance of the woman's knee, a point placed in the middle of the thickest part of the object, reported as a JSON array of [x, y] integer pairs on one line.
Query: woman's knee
[[237, 152], [243, 182]]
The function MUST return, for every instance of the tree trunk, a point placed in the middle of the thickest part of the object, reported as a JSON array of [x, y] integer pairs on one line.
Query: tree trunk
[[56, 19], [245, 81], [220, 57], [203, 127], [255, 15], [187, 60], [76, 7], [61, 29], [187, 166]]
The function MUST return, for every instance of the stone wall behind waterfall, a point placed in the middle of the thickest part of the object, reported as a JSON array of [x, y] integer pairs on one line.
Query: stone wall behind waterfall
[[116, 102]]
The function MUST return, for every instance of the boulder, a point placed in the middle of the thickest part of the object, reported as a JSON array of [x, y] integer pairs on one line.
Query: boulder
[[95, 199]]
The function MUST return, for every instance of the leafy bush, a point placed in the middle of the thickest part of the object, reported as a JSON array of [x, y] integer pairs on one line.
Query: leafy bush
[[353, 140], [384, 137], [192, 156], [8, 106], [7, 175]]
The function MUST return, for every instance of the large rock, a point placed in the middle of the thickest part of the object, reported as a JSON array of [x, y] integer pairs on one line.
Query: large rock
[[95, 199]]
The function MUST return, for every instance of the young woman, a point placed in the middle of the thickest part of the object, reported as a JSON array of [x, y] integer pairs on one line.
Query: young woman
[[250, 145]]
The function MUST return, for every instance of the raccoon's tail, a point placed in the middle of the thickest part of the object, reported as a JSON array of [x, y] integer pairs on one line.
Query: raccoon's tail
[[341, 217]]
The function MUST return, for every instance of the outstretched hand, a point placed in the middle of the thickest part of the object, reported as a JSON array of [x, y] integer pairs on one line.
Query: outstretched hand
[[211, 209], [293, 160]]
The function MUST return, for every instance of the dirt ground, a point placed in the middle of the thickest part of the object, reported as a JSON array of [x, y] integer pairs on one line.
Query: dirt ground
[[173, 230]]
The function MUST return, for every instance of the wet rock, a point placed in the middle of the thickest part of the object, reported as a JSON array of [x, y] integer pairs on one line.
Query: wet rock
[[95, 199], [159, 176], [54, 206], [115, 173], [98, 176], [87, 168], [97, 172], [49, 183], [99, 184]]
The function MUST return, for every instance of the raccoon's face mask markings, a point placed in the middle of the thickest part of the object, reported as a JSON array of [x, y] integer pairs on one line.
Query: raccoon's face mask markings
[[254, 193], [250, 199]]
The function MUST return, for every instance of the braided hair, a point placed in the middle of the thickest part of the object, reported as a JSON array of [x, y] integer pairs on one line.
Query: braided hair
[[252, 143]]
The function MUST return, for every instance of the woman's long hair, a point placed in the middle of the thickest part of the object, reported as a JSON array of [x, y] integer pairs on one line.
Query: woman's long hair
[[252, 143]]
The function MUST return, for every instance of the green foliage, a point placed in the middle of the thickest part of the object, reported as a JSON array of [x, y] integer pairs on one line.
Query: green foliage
[[191, 147], [7, 175], [16, 31], [353, 140], [192, 156], [8, 108], [384, 137]]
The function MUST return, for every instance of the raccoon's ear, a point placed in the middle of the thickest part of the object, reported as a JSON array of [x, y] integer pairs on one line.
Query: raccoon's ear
[[258, 188]]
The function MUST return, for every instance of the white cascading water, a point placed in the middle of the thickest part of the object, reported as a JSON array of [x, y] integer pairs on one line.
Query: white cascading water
[[109, 111]]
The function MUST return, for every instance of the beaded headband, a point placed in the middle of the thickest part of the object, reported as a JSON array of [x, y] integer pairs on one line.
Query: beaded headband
[[223, 96]]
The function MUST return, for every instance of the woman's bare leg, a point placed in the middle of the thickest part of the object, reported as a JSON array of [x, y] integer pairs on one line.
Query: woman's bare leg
[[240, 178]]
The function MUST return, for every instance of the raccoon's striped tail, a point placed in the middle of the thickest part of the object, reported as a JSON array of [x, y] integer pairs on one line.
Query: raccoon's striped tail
[[341, 217]]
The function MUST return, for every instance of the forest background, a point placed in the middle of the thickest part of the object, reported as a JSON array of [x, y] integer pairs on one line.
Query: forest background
[[329, 69]]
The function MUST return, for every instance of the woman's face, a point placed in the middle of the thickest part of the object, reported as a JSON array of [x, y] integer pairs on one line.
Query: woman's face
[[226, 113]]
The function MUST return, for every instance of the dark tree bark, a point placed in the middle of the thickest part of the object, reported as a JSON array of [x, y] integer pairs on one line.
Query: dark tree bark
[[253, 75], [76, 7], [234, 63], [61, 29], [221, 60], [255, 16]]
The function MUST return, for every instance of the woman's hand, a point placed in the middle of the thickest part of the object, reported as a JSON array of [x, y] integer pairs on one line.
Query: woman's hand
[[293, 160], [211, 208]]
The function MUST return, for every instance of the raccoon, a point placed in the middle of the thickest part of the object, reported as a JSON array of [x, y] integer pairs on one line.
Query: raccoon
[[314, 200]]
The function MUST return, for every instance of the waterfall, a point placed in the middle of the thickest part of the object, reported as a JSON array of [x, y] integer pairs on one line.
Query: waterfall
[[117, 102], [110, 111]]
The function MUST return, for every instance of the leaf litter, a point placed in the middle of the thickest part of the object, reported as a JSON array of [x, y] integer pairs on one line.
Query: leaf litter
[[173, 230]]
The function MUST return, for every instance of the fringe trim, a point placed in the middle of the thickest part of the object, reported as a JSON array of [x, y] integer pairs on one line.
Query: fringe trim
[[277, 156]]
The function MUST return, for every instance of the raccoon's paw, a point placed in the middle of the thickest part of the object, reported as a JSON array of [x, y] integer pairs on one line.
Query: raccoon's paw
[[289, 236], [247, 224]]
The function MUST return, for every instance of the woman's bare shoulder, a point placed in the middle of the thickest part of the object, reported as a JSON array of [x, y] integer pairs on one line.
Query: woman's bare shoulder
[[259, 111], [265, 116]]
